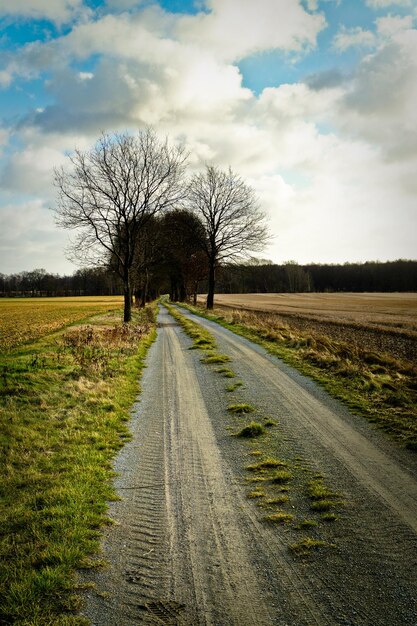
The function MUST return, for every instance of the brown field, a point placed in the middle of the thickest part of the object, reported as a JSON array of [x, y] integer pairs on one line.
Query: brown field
[[386, 322]]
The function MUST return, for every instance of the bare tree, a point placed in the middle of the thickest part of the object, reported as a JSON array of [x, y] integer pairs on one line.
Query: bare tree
[[233, 221], [109, 193]]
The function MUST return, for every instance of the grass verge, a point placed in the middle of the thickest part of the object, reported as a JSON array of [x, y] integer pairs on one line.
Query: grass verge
[[64, 406]]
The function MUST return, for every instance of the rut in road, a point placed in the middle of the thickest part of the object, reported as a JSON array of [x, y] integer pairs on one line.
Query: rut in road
[[187, 549], [191, 549]]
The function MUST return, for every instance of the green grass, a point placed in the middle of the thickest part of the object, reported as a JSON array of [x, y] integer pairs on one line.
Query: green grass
[[254, 429], [233, 386], [277, 501], [241, 408], [202, 339], [305, 546], [281, 477], [64, 406], [267, 463], [226, 371], [216, 358], [317, 490], [306, 523], [279, 518], [323, 505], [256, 493]]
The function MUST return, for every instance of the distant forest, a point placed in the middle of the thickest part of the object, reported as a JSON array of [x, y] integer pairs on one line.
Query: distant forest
[[256, 276]]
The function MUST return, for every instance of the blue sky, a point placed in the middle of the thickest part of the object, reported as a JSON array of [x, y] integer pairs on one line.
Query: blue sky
[[312, 102]]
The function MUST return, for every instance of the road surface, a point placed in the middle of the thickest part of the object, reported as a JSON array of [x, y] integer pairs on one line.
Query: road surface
[[190, 548]]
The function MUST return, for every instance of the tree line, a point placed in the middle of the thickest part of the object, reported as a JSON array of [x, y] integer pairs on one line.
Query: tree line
[[186, 276], [265, 277]]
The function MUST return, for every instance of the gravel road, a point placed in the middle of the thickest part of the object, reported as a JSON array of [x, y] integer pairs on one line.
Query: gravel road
[[190, 548]]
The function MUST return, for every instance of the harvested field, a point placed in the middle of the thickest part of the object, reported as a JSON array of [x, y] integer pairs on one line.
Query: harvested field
[[385, 322], [27, 319]]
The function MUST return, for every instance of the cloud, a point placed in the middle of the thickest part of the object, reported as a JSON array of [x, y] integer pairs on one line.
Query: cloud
[[58, 11], [29, 170], [380, 103], [327, 79], [353, 37], [391, 25], [29, 238], [234, 29]]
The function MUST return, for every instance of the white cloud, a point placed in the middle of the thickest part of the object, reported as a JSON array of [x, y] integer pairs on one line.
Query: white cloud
[[29, 238], [391, 25], [59, 11], [30, 170], [234, 29], [353, 37]]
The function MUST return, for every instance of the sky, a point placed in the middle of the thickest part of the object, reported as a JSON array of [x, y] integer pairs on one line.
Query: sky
[[312, 102]]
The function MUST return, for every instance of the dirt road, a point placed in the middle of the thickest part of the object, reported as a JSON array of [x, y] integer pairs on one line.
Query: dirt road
[[190, 548]]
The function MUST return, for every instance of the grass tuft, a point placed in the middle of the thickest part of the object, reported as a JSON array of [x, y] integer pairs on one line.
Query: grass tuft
[[254, 429], [306, 523], [232, 387], [317, 490], [279, 518], [278, 500], [305, 546], [266, 464], [281, 477], [256, 493], [227, 372], [240, 408], [216, 358]]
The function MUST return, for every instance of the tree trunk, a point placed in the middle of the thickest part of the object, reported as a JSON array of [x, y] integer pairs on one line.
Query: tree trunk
[[127, 292], [211, 283]]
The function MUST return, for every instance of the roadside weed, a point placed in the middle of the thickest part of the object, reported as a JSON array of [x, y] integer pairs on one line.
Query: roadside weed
[[306, 545], [253, 429], [282, 476], [234, 386], [240, 408], [227, 372], [279, 518]]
